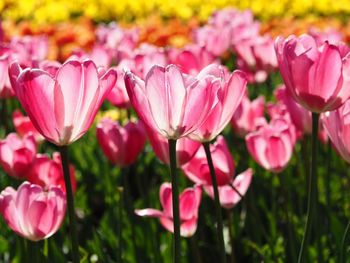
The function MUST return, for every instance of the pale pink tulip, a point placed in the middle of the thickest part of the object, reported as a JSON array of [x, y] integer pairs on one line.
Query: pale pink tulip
[[6, 90], [317, 76], [16, 154], [216, 40], [197, 169], [271, 146], [170, 102], [48, 172], [32, 212], [185, 148], [230, 93], [99, 55], [121, 145], [68, 102], [23, 125], [189, 202], [337, 125], [228, 193], [245, 119]]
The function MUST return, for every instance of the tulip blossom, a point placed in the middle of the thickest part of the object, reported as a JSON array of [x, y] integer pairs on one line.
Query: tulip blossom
[[245, 118], [337, 125], [197, 169], [231, 193], [185, 148], [48, 172], [300, 116], [69, 101], [121, 145], [189, 202], [191, 59], [6, 90], [271, 146], [32, 212], [317, 76], [230, 93], [16, 154], [23, 126], [118, 95], [170, 102]]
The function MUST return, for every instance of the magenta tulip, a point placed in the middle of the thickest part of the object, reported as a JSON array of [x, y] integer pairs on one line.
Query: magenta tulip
[[185, 148], [23, 125], [118, 95], [230, 194], [317, 76], [68, 102], [189, 201], [16, 154], [271, 146], [230, 93], [246, 117], [32, 212], [48, 172], [197, 169], [121, 145], [170, 102]]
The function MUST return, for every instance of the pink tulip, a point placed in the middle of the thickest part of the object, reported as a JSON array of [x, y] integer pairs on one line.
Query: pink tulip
[[27, 49], [99, 55], [6, 90], [191, 59], [300, 116], [245, 119], [118, 95], [197, 169], [48, 172], [337, 125], [68, 102], [230, 93], [189, 202], [32, 212], [332, 36], [185, 148], [228, 193], [16, 154], [170, 102], [317, 76], [271, 146], [216, 40], [121, 145], [23, 126]]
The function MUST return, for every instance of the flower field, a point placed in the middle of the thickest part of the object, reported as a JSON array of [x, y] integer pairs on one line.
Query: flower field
[[162, 131]]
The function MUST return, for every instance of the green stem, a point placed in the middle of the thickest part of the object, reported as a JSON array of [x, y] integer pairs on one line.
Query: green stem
[[219, 228], [343, 244], [232, 236], [196, 255], [312, 196], [70, 201], [119, 225], [175, 200]]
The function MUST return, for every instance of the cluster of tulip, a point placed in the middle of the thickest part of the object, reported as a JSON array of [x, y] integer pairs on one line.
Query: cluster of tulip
[[184, 98]]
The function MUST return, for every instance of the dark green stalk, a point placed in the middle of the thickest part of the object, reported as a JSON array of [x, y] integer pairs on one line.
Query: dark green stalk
[[175, 200], [343, 244], [119, 227], [312, 195], [219, 228], [70, 202], [196, 255], [231, 233]]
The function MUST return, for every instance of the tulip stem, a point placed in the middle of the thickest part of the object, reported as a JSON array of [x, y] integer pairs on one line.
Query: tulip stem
[[175, 200], [219, 228], [343, 244], [312, 195], [232, 235], [70, 200]]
